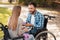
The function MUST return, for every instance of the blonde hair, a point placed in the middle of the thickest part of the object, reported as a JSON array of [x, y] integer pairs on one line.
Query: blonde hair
[[14, 17]]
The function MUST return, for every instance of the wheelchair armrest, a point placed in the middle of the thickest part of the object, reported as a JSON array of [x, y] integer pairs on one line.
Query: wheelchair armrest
[[18, 37]]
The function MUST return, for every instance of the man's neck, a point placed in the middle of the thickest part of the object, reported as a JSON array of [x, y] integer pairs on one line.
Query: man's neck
[[33, 12]]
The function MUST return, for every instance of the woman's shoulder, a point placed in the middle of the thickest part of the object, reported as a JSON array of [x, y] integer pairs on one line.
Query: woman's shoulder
[[20, 20]]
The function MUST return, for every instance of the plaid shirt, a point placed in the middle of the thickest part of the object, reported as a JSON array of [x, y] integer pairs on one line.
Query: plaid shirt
[[39, 19]]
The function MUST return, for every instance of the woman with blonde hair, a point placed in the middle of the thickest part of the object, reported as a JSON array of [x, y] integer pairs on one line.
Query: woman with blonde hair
[[15, 27]]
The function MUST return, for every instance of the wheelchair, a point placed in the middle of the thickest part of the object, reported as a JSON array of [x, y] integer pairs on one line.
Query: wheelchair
[[43, 35]]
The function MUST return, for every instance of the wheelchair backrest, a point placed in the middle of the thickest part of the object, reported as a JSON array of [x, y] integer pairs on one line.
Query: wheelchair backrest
[[45, 22]]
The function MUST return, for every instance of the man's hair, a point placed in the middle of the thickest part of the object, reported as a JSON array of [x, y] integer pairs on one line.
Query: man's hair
[[33, 3]]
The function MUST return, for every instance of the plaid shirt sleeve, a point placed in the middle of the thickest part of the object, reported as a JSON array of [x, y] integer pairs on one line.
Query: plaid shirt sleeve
[[40, 22], [28, 18]]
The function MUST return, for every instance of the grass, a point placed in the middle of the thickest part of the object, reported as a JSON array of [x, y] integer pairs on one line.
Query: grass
[[4, 15], [13, 3]]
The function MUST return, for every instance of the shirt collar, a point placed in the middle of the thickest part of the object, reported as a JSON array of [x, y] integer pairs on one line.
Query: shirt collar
[[35, 13]]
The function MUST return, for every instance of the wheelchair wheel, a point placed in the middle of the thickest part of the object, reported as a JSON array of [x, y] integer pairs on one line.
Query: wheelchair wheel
[[45, 35], [1, 36]]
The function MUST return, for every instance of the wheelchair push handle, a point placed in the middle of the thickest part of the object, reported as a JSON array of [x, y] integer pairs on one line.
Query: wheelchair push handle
[[1, 25], [49, 17]]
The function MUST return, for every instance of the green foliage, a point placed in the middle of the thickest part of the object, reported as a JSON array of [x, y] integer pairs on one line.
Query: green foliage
[[38, 2], [4, 14], [20, 1], [43, 3]]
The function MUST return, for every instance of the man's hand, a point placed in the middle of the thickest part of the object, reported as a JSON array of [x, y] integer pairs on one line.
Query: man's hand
[[28, 24]]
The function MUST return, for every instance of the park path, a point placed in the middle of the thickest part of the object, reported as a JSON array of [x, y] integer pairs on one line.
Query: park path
[[53, 25]]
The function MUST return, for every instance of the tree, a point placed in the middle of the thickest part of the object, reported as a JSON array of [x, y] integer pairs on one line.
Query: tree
[[10, 1]]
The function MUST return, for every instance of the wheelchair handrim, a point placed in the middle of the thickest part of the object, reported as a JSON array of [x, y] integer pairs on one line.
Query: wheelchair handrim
[[45, 32]]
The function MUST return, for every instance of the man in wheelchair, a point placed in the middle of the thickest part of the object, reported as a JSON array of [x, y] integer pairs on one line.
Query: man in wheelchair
[[35, 20]]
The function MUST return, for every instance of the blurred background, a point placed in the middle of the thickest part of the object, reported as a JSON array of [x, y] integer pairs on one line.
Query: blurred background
[[50, 7]]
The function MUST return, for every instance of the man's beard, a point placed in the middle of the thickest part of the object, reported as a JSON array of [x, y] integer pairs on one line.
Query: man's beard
[[33, 12]]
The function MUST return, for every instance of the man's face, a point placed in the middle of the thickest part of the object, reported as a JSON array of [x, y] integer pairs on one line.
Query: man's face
[[31, 8]]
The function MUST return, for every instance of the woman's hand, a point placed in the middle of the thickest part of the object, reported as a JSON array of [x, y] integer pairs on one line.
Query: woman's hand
[[25, 29]]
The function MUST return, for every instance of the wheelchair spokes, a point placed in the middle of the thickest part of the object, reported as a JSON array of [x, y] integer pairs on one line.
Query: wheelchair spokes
[[45, 35], [50, 37]]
